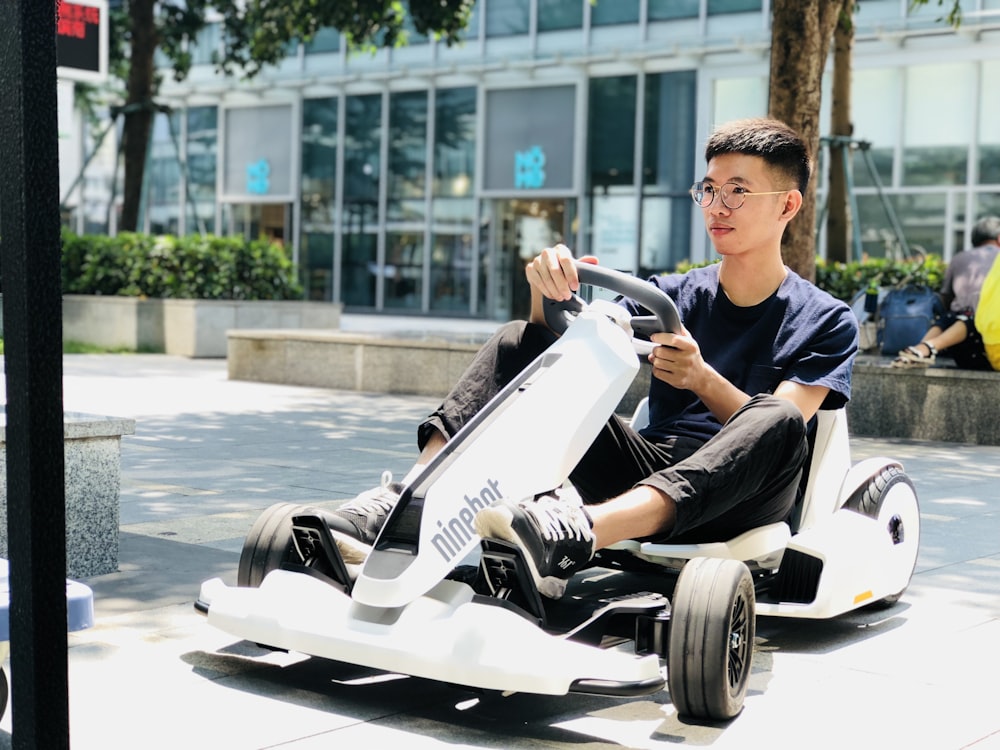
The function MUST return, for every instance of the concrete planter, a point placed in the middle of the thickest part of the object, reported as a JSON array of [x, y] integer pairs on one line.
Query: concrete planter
[[92, 461], [185, 327]]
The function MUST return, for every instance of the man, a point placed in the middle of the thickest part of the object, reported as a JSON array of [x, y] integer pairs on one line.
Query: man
[[955, 331], [730, 397]]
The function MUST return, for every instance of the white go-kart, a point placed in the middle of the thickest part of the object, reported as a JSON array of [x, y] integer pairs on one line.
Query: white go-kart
[[433, 600]]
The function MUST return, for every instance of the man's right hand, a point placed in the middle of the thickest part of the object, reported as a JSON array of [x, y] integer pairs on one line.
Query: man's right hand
[[553, 274]]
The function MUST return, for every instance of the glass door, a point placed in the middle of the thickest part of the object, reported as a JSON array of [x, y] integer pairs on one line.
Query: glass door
[[521, 228], [258, 221]]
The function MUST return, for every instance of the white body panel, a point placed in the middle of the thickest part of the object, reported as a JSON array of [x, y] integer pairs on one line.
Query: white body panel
[[443, 635], [532, 444]]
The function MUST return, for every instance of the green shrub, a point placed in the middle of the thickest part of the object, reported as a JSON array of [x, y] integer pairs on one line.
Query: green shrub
[[844, 280], [194, 267]]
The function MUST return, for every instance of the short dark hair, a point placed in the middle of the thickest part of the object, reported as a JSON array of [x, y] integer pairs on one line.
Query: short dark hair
[[772, 140], [986, 229]]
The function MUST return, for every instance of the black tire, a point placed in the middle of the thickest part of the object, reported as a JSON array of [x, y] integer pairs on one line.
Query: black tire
[[890, 498], [712, 629], [4, 692], [268, 544]]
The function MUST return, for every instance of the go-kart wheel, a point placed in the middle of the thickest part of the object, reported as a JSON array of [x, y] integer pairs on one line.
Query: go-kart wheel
[[712, 628], [891, 499], [268, 544], [4, 692]]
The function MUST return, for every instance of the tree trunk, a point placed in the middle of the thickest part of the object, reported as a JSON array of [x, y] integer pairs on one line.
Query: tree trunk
[[838, 227], [138, 109], [801, 33]]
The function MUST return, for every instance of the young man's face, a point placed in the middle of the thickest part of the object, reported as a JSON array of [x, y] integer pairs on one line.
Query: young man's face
[[757, 225]]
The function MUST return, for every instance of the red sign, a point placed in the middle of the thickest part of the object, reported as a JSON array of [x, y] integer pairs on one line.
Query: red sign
[[78, 36]]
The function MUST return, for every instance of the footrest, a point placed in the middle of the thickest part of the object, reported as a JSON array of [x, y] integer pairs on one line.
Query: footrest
[[318, 551], [506, 576]]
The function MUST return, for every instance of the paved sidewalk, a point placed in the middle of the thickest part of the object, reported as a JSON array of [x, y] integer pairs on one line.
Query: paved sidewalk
[[209, 454]]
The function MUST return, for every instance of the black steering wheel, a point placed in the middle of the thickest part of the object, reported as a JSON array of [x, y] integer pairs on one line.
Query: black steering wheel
[[560, 313]]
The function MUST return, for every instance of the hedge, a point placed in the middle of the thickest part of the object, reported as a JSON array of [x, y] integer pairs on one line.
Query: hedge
[[845, 280], [210, 267], [193, 267]]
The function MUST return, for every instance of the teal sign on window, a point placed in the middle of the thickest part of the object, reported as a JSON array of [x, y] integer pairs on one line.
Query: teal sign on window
[[529, 168], [259, 177]]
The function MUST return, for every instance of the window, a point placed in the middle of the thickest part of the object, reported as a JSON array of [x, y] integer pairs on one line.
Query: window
[[875, 107], [736, 98], [205, 44], [403, 273], [666, 10], [164, 176], [319, 164], [359, 266], [733, 6], [507, 17], [202, 147], [668, 171], [454, 209], [989, 124], [921, 216], [324, 40], [937, 127], [407, 156], [611, 131], [454, 142], [611, 177], [616, 12], [555, 15]]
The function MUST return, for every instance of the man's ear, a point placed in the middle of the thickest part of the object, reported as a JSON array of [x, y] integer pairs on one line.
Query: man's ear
[[793, 202]]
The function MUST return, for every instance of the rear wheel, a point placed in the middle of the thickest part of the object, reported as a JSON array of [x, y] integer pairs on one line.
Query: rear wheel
[[4, 692], [889, 498], [268, 544], [712, 628]]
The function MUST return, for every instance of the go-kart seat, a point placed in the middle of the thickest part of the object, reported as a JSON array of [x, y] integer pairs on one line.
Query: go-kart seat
[[762, 548]]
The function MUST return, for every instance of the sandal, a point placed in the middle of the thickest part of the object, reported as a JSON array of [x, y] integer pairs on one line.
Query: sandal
[[911, 356]]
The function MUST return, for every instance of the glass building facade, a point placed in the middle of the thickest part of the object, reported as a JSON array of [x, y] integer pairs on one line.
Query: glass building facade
[[418, 180]]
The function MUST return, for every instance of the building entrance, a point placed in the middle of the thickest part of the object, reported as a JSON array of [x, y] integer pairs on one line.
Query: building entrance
[[259, 221], [520, 229]]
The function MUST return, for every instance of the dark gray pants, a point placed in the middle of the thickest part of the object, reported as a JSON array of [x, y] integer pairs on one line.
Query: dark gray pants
[[746, 476]]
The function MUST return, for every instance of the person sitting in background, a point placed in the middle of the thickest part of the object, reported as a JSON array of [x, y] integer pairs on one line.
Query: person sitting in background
[[955, 331]]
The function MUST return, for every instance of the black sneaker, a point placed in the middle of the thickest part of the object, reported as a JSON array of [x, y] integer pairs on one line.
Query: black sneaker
[[554, 533], [355, 525]]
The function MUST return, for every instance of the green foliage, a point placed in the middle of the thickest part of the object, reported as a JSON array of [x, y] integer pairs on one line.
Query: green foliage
[[954, 17], [194, 267], [844, 280], [257, 33]]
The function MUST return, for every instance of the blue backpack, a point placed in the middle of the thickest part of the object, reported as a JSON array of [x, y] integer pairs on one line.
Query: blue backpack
[[904, 316]]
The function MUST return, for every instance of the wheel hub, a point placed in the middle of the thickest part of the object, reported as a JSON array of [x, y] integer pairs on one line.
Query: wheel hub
[[895, 529]]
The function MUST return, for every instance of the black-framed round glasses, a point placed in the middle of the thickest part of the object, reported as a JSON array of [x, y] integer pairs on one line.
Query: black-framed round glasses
[[733, 195]]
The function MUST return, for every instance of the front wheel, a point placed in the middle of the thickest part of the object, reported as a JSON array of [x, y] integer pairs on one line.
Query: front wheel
[[268, 544], [889, 498], [712, 628]]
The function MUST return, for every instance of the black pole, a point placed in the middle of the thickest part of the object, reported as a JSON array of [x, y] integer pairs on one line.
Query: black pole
[[32, 313]]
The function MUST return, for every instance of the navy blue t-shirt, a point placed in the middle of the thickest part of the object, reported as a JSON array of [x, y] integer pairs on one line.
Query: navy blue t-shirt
[[800, 333]]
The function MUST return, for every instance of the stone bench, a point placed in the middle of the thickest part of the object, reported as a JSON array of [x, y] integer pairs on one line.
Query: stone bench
[[390, 363], [940, 403], [92, 451]]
